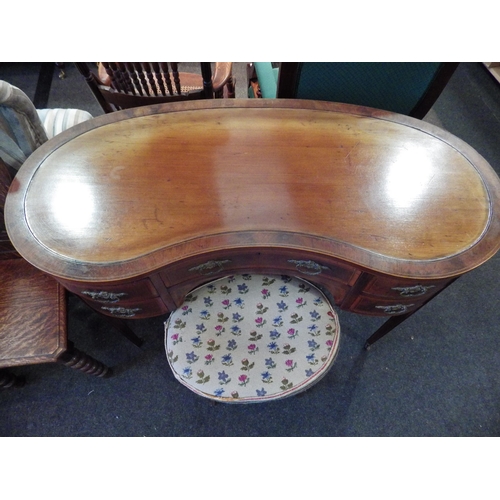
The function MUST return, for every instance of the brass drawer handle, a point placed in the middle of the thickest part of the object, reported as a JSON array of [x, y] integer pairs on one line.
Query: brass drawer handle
[[210, 267], [308, 267], [122, 312], [395, 309], [102, 296], [412, 291]]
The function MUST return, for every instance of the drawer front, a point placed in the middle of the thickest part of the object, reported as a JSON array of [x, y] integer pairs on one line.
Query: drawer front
[[335, 292], [403, 289], [380, 306], [211, 266], [136, 310], [264, 261], [311, 266], [117, 294]]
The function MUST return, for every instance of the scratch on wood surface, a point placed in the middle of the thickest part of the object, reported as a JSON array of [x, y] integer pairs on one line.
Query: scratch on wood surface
[[152, 220]]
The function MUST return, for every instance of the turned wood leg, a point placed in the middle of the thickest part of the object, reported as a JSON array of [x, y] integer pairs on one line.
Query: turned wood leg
[[80, 361], [8, 380], [231, 92]]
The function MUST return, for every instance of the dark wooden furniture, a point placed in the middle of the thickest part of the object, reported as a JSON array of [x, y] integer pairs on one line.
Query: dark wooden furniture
[[408, 88], [7, 251], [123, 85], [33, 325], [33, 310], [130, 212]]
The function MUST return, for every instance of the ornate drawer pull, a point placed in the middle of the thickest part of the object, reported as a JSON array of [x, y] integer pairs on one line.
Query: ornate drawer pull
[[104, 296], [395, 309], [412, 291], [123, 312], [210, 267], [308, 267]]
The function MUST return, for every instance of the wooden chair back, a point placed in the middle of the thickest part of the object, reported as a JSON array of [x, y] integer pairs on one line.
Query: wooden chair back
[[122, 85], [406, 88]]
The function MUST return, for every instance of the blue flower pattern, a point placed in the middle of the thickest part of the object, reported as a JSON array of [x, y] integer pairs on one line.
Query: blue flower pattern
[[284, 355]]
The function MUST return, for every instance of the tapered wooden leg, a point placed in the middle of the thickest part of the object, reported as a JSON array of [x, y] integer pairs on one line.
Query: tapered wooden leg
[[118, 323], [386, 328], [80, 361], [8, 380], [123, 328], [391, 323]]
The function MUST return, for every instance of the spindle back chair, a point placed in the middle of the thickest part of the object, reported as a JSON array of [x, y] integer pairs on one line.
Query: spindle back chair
[[122, 85]]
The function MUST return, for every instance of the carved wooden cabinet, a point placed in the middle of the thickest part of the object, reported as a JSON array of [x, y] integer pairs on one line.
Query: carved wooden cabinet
[[135, 209]]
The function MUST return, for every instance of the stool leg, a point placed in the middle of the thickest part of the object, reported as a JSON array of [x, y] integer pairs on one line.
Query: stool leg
[[80, 361], [8, 380]]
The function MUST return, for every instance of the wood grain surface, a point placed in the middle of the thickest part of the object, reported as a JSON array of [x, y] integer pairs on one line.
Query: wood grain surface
[[130, 192]]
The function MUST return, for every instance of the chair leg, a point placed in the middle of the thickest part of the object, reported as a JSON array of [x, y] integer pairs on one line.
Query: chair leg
[[230, 85], [8, 380], [43, 85], [78, 360]]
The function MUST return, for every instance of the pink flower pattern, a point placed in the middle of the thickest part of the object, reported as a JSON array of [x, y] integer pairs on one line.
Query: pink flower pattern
[[274, 358]]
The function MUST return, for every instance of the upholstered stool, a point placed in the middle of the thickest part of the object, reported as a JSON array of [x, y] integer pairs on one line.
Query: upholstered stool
[[33, 323], [252, 338]]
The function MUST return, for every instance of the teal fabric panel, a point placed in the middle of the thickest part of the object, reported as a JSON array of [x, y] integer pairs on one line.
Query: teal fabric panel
[[268, 79], [394, 87]]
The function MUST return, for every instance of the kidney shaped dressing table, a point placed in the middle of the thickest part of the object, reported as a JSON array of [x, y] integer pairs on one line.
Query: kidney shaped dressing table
[[134, 209]]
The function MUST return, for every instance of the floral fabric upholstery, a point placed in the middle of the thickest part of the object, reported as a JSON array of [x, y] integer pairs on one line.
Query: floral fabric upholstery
[[252, 338]]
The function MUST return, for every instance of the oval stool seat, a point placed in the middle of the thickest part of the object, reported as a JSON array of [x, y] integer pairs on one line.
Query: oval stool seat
[[252, 338]]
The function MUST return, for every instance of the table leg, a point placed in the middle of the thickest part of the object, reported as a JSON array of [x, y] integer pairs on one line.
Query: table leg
[[386, 328], [397, 320], [123, 328], [78, 360], [8, 380]]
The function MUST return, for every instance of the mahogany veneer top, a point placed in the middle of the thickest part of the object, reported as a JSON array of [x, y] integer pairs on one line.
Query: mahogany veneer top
[[129, 192]]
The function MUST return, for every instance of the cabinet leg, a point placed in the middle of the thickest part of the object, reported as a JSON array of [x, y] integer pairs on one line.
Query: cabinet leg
[[8, 380], [80, 361]]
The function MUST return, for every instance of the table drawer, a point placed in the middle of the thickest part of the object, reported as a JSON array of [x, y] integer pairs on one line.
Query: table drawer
[[119, 294], [136, 310], [311, 266], [335, 292], [210, 266], [380, 306], [403, 289]]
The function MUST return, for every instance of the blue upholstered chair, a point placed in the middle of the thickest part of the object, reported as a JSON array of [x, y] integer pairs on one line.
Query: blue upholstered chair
[[401, 87], [23, 128]]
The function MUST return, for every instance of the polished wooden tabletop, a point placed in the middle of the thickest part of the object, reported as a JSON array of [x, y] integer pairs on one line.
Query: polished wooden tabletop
[[134, 190]]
